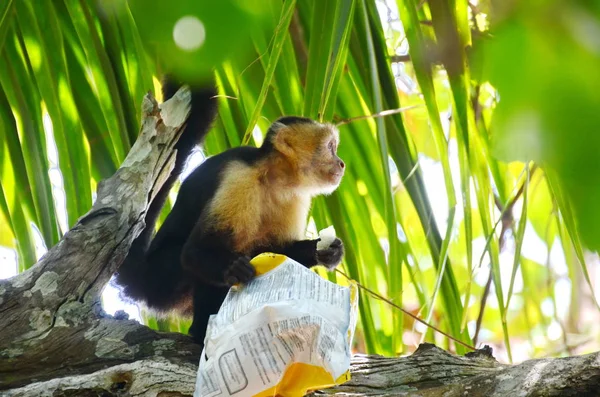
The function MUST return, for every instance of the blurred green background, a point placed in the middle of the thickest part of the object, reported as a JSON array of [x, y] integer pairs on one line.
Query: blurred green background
[[476, 208]]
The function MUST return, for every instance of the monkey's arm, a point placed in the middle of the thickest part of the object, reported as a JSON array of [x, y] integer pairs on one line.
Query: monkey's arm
[[208, 257], [306, 252]]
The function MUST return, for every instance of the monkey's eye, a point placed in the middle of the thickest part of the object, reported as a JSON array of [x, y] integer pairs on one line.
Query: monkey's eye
[[331, 147]]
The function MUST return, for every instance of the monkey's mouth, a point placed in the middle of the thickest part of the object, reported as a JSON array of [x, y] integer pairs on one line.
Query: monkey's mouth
[[336, 176]]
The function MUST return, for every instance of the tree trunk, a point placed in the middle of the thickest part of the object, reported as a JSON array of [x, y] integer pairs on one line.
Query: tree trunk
[[57, 341]]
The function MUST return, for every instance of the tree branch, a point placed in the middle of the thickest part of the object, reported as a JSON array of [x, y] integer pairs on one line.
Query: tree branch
[[55, 304], [431, 372]]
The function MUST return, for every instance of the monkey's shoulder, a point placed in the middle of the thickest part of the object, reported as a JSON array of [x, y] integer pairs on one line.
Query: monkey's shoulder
[[200, 188], [213, 166]]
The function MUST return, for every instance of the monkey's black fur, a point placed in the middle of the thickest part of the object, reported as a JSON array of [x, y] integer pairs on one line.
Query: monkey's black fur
[[187, 267]]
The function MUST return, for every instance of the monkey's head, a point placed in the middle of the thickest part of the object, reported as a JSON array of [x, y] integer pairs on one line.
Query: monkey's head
[[311, 148]]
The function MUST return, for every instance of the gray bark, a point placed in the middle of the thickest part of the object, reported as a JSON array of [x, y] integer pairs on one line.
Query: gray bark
[[51, 321], [56, 340], [431, 371]]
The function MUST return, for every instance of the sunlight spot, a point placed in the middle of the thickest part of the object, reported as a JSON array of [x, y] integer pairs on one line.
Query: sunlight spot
[[394, 174], [554, 331], [492, 301], [562, 289], [516, 303], [405, 84], [111, 302], [481, 275], [378, 224], [547, 307], [420, 327], [311, 228], [58, 194], [482, 21], [521, 351], [534, 248], [51, 150], [196, 158], [257, 135], [471, 327], [385, 246], [433, 176], [539, 340], [34, 52], [89, 73], [402, 78], [557, 259], [362, 188], [478, 247], [39, 244], [486, 334], [189, 33], [446, 124], [382, 11], [507, 258], [60, 205], [157, 89], [54, 173], [425, 262], [401, 234], [68, 107], [472, 300], [173, 194], [410, 338], [8, 263]]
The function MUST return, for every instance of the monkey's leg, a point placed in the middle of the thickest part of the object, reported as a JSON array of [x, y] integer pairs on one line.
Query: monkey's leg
[[207, 301]]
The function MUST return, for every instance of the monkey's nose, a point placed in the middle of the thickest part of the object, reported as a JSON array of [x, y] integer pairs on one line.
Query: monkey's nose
[[342, 165]]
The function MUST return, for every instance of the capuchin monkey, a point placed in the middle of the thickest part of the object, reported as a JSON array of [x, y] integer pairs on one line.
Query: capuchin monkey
[[235, 205]]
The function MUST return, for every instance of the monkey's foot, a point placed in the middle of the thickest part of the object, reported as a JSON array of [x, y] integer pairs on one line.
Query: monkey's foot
[[240, 271], [332, 256]]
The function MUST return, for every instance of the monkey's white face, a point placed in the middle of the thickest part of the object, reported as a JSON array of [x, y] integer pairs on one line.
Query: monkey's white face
[[328, 167], [334, 166], [312, 148]]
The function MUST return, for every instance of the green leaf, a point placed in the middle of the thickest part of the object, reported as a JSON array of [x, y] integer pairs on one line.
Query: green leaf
[[19, 224], [51, 77], [519, 237], [419, 56], [81, 34], [278, 41], [549, 107], [395, 258], [212, 32], [6, 13], [28, 155]]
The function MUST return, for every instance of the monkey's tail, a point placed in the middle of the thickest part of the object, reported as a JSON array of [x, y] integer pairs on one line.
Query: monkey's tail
[[160, 282]]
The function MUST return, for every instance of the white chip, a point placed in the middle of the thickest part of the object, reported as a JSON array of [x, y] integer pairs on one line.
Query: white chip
[[327, 237]]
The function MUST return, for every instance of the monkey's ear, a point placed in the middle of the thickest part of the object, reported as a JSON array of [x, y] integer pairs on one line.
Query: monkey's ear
[[277, 126], [281, 139]]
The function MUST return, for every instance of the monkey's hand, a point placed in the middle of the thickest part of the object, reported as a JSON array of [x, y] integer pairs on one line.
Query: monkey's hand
[[331, 256], [240, 271]]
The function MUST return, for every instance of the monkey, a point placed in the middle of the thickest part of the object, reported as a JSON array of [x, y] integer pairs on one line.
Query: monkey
[[235, 205]]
